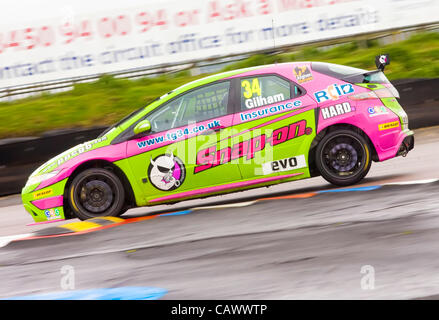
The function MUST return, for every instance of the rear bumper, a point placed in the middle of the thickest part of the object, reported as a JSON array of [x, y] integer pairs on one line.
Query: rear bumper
[[394, 143]]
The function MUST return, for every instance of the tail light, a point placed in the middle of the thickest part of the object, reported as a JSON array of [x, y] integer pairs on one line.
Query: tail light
[[389, 92], [404, 121]]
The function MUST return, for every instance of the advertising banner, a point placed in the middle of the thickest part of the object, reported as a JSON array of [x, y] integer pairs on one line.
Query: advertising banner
[[169, 32]]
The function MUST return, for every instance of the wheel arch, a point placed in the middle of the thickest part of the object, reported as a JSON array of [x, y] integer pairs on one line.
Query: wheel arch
[[312, 150], [104, 164]]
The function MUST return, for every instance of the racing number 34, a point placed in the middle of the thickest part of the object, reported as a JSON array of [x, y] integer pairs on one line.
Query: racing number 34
[[250, 90]]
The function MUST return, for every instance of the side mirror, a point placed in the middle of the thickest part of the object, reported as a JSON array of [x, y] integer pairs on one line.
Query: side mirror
[[143, 126]]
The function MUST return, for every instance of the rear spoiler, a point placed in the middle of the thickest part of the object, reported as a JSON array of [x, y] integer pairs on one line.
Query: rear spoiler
[[380, 61]]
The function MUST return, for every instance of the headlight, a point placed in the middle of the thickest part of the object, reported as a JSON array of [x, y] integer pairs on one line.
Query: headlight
[[40, 178]]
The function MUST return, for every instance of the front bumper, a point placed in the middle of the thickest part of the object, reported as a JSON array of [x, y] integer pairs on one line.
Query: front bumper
[[45, 204]]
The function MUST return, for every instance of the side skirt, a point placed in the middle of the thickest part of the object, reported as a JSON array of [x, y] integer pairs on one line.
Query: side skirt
[[223, 187]]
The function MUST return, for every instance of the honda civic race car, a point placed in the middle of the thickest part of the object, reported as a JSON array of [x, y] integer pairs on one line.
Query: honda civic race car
[[227, 132]]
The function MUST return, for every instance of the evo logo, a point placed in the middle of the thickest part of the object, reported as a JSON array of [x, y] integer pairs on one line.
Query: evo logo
[[334, 92], [284, 164], [336, 110]]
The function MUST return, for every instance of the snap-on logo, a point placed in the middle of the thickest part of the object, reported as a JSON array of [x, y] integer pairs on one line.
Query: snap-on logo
[[211, 157], [334, 92]]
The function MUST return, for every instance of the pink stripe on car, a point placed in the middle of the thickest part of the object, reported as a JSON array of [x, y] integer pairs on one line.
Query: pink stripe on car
[[223, 187], [48, 203]]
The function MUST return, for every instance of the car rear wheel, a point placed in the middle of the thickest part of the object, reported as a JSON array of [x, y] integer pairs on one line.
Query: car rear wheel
[[95, 193], [343, 157]]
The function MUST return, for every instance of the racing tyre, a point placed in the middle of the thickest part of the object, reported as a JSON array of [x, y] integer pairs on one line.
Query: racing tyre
[[343, 157], [96, 193]]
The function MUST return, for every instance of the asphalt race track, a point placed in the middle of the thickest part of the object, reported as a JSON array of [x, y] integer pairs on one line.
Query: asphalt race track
[[302, 240]]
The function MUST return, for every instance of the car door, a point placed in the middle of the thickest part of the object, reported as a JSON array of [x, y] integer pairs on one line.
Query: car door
[[180, 153], [276, 120]]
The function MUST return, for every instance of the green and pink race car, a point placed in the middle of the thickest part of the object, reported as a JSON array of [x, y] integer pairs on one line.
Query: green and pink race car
[[227, 132]]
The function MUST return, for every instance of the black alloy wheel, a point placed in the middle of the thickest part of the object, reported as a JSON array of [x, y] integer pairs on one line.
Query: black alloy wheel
[[95, 193], [343, 157]]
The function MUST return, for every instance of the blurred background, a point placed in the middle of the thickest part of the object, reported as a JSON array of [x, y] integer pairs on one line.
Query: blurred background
[[69, 69]]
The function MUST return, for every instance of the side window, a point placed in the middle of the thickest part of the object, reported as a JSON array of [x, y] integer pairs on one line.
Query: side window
[[264, 90], [164, 117], [197, 105]]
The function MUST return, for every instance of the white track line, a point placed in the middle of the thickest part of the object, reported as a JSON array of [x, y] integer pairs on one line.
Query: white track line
[[230, 205], [411, 182], [5, 240]]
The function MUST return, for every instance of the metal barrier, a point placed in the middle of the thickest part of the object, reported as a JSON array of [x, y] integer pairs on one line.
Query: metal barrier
[[420, 99], [20, 158]]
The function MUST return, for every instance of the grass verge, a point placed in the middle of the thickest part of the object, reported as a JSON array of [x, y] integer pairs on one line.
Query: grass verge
[[107, 100]]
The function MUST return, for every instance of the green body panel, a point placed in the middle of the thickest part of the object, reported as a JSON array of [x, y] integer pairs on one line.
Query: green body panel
[[237, 170], [133, 181], [395, 107]]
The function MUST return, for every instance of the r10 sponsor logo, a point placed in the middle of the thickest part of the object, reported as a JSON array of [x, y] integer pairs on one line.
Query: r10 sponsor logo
[[334, 92], [211, 157]]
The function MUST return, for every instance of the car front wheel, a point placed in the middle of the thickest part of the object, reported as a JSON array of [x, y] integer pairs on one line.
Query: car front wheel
[[95, 193], [343, 157]]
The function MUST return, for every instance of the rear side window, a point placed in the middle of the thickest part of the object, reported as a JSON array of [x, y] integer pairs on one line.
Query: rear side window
[[264, 90]]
